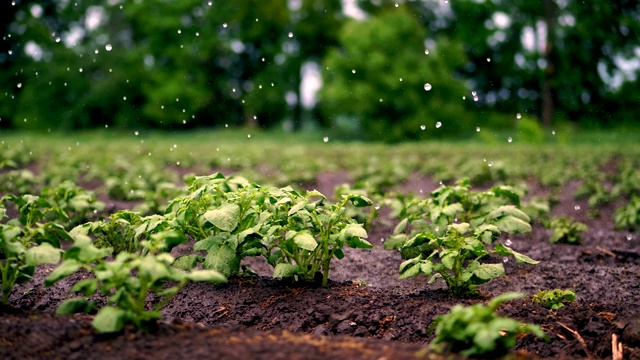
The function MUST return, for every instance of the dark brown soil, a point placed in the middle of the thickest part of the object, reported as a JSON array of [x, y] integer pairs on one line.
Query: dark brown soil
[[365, 312]]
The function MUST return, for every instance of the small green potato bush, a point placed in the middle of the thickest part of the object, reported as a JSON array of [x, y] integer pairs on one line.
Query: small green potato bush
[[554, 299], [566, 230], [627, 217], [477, 330]]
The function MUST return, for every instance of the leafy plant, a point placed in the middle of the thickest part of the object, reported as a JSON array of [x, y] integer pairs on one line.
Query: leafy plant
[[128, 280], [628, 216], [477, 330], [442, 248], [554, 299], [566, 230], [304, 234]]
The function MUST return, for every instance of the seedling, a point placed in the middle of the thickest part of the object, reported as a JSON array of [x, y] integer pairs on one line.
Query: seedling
[[128, 280], [627, 217], [477, 330], [566, 230], [554, 299]]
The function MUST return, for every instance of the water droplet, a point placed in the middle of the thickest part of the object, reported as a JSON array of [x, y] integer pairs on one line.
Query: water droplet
[[19, 85], [426, 51], [290, 34], [96, 51], [488, 59], [377, 207], [179, 31], [490, 164], [108, 47], [423, 127], [553, 132], [210, 3], [249, 136], [508, 242], [464, 97], [400, 79], [124, 98], [397, 5], [325, 139], [381, 100], [518, 116], [509, 139], [184, 121], [427, 87], [478, 129], [57, 39], [438, 125], [226, 125], [224, 25], [80, 70], [505, 260], [353, 71], [136, 133], [629, 237], [106, 126]]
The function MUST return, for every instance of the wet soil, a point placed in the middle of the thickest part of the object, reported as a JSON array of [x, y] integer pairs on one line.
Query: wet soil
[[365, 312]]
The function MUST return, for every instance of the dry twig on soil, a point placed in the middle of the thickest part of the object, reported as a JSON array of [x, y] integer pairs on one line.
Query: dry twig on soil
[[579, 338]]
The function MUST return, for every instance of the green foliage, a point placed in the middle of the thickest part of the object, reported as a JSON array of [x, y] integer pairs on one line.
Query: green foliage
[[566, 230], [554, 299], [477, 330], [128, 280], [628, 216], [529, 130], [381, 85], [441, 246]]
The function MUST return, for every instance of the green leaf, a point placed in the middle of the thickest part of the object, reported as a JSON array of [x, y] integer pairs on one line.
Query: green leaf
[[74, 306], [305, 241], [297, 207], [225, 218], [487, 272], [410, 268], [87, 287], [109, 320], [498, 300], [512, 225], [285, 270], [223, 259], [65, 269], [395, 242], [211, 276], [502, 250], [358, 200], [402, 225], [44, 253], [186, 262]]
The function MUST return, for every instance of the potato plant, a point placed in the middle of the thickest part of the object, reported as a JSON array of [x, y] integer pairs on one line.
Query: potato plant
[[478, 331], [554, 299], [127, 280], [442, 247], [566, 230]]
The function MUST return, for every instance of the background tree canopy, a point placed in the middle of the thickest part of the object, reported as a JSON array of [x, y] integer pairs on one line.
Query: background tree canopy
[[191, 63]]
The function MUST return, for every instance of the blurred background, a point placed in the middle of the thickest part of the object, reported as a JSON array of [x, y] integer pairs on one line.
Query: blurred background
[[371, 70]]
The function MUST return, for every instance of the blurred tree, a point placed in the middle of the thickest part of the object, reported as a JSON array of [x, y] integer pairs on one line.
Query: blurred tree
[[547, 58], [381, 78]]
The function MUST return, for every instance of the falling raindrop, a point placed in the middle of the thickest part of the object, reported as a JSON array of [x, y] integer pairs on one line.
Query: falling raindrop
[[629, 237], [426, 51], [380, 100], [400, 79], [224, 25], [577, 207], [508, 242], [427, 87], [290, 34], [518, 116], [179, 31], [477, 128], [325, 139], [57, 39], [423, 127], [553, 132], [505, 260], [106, 126], [353, 71], [488, 59], [249, 136], [438, 125], [490, 164], [377, 206], [19, 85], [96, 51], [509, 139], [397, 5], [210, 3], [80, 69], [124, 98], [464, 97], [136, 133]]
